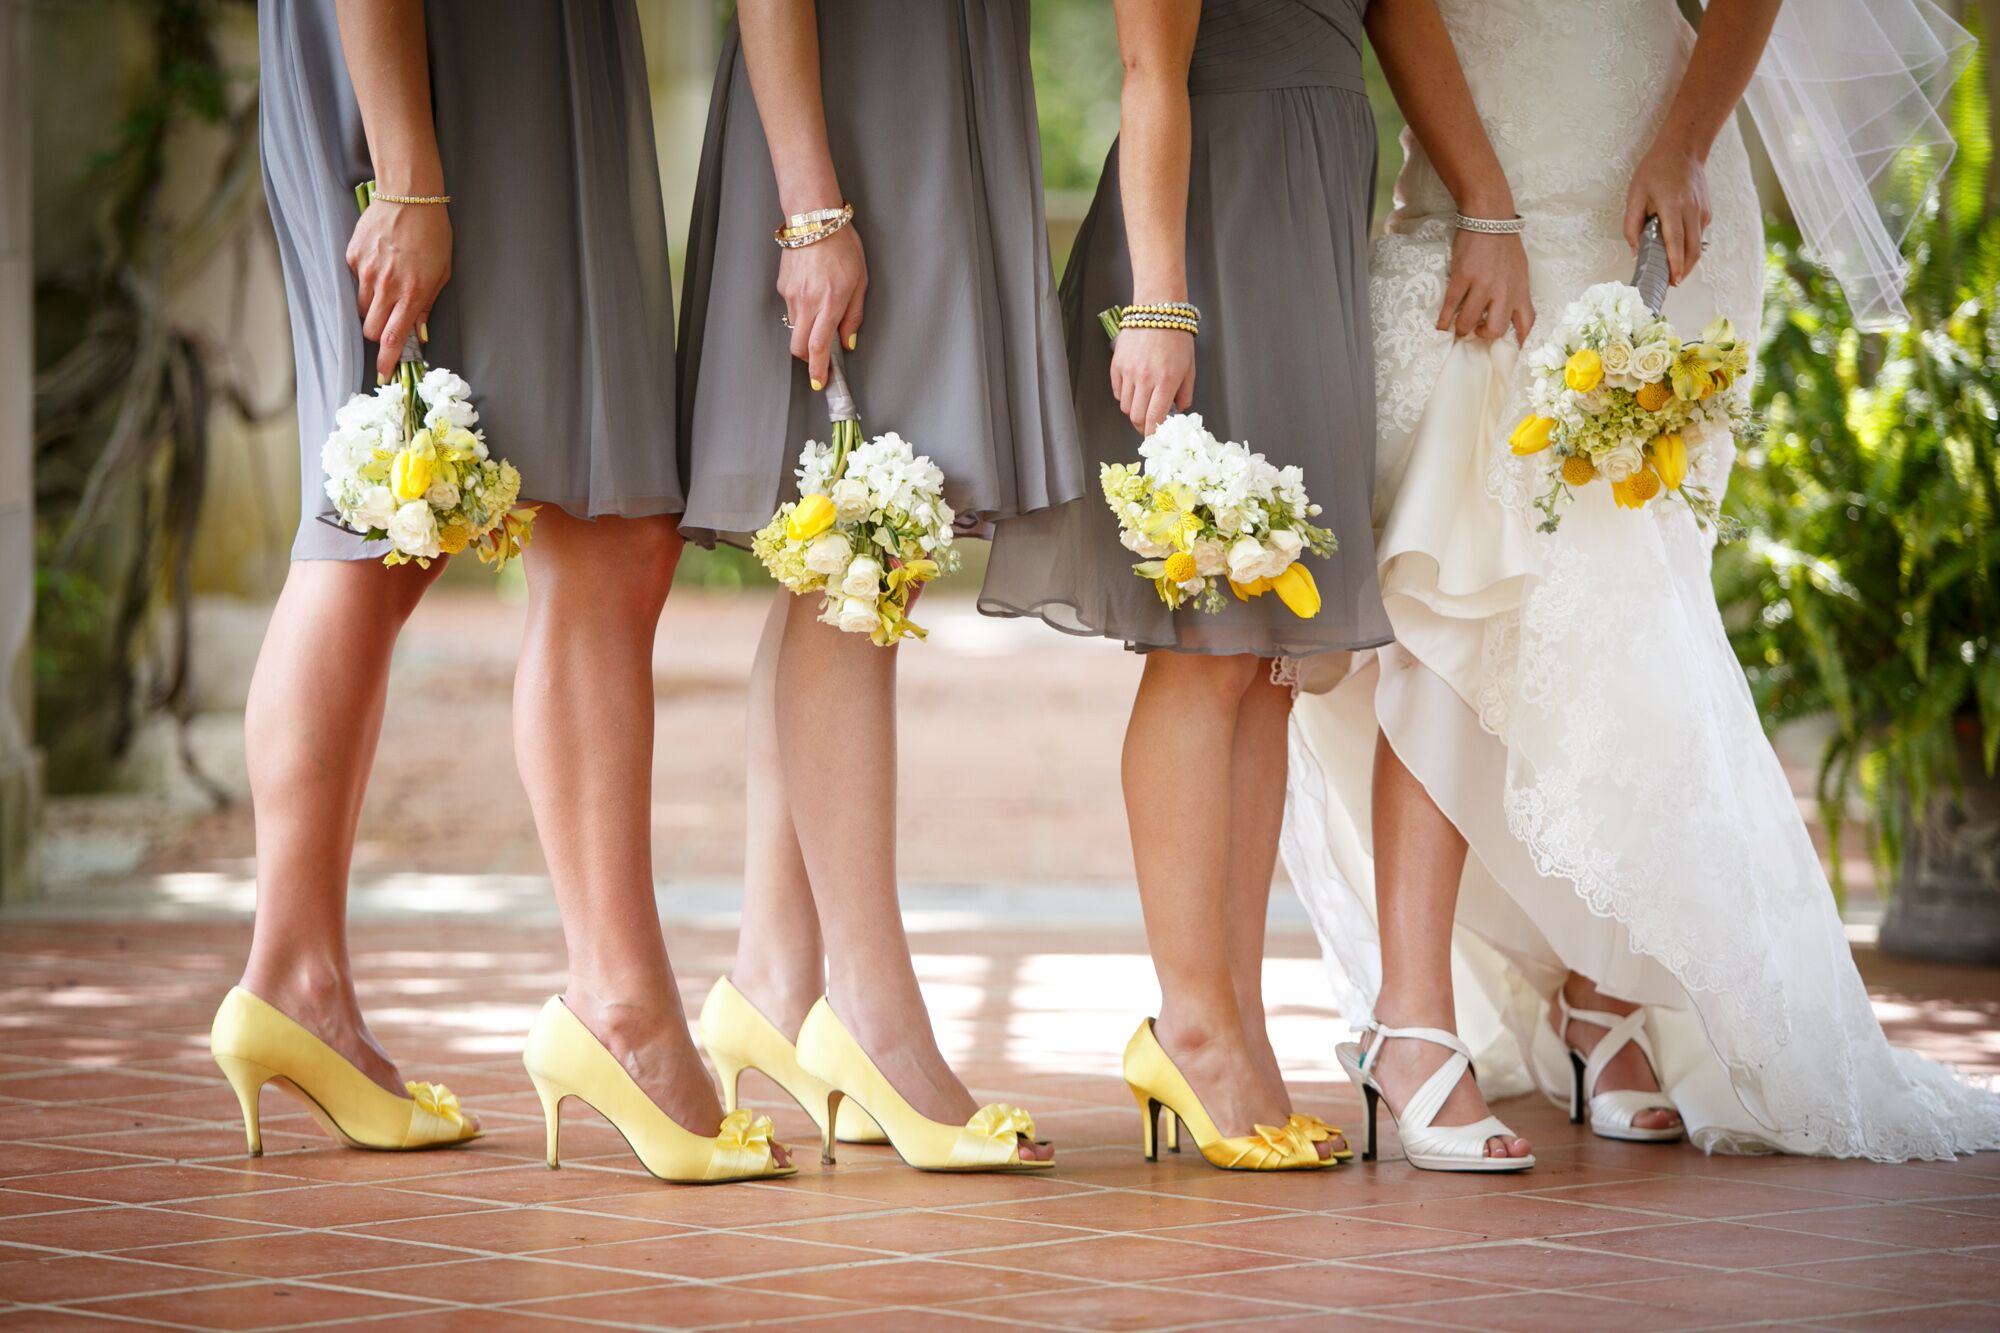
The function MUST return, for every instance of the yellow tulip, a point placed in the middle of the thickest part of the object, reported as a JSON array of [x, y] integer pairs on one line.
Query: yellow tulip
[[1654, 396], [812, 515], [1245, 591], [1670, 459], [411, 472], [1584, 371], [1181, 567], [1296, 589], [1531, 436]]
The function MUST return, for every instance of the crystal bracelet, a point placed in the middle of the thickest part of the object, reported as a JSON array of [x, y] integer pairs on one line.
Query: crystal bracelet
[[1513, 226]]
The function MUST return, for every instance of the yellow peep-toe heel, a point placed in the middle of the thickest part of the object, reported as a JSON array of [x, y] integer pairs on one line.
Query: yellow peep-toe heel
[[255, 1043], [1315, 1129], [1157, 1082], [737, 1037], [990, 1141], [565, 1059]]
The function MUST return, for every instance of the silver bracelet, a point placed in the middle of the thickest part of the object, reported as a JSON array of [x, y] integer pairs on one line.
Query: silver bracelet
[[1513, 226]]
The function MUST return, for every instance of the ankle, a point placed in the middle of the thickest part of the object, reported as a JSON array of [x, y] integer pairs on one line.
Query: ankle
[[314, 987], [1190, 1031], [783, 999], [1416, 1011]]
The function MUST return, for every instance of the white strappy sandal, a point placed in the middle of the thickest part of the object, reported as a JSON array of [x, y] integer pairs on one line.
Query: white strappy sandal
[[1428, 1146], [1613, 1115]]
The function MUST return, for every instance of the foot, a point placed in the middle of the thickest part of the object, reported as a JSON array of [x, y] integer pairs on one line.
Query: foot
[[1627, 1071], [898, 1039], [1257, 1040], [1237, 1089], [785, 1003], [652, 1043], [1401, 1067]]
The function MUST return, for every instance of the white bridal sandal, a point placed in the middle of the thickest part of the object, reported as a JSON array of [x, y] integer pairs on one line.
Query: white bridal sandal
[[1613, 1115], [1428, 1146]]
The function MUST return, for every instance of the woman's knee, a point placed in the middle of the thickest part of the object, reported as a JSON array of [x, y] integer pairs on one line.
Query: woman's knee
[[626, 561], [1227, 678]]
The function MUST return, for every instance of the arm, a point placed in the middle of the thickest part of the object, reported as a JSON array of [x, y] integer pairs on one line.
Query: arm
[[1672, 180], [1152, 370], [400, 253], [822, 284], [1489, 274]]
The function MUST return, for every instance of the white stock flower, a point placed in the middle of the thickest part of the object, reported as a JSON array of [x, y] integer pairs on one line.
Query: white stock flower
[[374, 507], [829, 553], [413, 530], [439, 384], [451, 412], [858, 615], [863, 578]]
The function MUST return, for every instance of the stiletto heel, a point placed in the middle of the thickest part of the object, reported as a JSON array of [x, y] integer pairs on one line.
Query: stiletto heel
[[1576, 1097], [827, 1135], [1428, 1146], [1173, 1132], [1149, 1123], [1613, 1115], [737, 1037], [254, 1043], [1158, 1084], [990, 1141], [551, 1116], [565, 1059], [727, 1072], [247, 1080]]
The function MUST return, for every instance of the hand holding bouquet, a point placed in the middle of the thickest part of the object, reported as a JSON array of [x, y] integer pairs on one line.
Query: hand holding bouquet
[[1618, 397], [869, 528], [406, 464], [1206, 512]]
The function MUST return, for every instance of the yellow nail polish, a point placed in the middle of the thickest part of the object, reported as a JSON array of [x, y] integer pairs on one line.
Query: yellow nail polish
[[853, 341], [817, 386]]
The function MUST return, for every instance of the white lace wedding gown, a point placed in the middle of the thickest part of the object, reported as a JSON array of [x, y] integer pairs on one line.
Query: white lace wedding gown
[[1571, 701]]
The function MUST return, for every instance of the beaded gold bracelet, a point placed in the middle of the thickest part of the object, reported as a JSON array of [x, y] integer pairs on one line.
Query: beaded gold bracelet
[[1174, 316], [382, 198]]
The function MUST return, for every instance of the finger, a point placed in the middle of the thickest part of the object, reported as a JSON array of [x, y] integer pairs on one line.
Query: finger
[[801, 331], [1117, 382], [1454, 296], [819, 347], [1524, 321], [1157, 407], [380, 306], [1468, 314], [1636, 211], [1128, 402], [1185, 398], [395, 332], [1696, 228], [850, 323], [1670, 233]]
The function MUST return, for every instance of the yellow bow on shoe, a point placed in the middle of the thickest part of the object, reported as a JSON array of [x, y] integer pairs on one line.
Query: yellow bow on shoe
[[1317, 1130], [437, 1117], [1266, 1148], [742, 1144], [993, 1136]]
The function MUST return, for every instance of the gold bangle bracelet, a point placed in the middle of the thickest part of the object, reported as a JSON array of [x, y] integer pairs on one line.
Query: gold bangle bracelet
[[382, 198]]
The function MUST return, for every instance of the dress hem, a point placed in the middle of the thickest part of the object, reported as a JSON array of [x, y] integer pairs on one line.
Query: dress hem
[[1036, 611]]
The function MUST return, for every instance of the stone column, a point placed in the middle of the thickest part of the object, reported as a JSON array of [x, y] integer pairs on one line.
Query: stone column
[[20, 765]]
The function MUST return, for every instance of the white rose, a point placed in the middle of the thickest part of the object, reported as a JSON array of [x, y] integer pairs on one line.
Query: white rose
[[1620, 463], [829, 553], [1229, 518], [1616, 357], [1211, 557], [377, 506], [858, 615], [864, 578], [851, 498], [1651, 362], [1288, 544], [442, 495], [414, 531], [1134, 541], [1246, 560]]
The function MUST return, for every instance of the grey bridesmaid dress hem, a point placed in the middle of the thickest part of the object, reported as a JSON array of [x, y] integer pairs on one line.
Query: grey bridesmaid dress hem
[[1083, 629]]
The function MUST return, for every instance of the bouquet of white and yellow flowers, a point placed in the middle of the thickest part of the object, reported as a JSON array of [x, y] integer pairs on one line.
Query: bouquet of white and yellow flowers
[[408, 464], [869, 528], [1618, 397], [1205, 513]]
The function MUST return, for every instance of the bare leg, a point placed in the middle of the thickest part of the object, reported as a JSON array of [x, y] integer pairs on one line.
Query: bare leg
[[780, 960], [583, 733], [310, 726], [1419, 857], [1627, 1070], [1179, 763], [1258, 767], [836, 710]]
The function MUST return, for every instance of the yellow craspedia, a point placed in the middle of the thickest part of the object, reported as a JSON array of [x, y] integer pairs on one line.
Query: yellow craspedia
[[454, 538], [1584, 371], [1297, 590], [1654, 396], [1636, 490], [1531, 436], [413, 468], [1578, 470], [1670, 459], [1181, 567], [812, 515]]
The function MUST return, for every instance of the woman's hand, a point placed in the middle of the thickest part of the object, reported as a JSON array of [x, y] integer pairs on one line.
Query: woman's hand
[[823, 286], [1672, 185], [1152, 372], [401, 258], [1488, 293]]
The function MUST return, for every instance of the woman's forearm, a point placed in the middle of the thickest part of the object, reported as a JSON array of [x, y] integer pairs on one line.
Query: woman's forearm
[[1733, 35], [1422, 66], [1155, 141], [388, 62], [781, 51]]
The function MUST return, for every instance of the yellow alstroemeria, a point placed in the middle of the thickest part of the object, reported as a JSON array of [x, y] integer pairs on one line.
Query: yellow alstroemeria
[[414, 468], [1636, 490], [1173, 521], [462, 443], [912, 571], [1297, 590], [1670, 459], [1693, 373], [813, 515], [1654, 396], [1180, 567], [1533, 435], [1584, 371]]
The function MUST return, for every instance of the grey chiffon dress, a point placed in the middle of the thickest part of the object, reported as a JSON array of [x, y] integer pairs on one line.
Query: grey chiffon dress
[[1279, 203], [559, 311], [930, 112]]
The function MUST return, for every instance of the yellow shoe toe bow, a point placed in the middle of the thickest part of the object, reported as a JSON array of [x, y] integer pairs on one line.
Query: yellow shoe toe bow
[[993, 1138], [1317, 1130]]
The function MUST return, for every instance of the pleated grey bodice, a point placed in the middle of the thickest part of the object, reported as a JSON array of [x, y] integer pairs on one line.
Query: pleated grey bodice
[[1257, 45]]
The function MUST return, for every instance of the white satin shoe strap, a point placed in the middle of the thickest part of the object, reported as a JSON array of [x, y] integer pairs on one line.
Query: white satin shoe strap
[[1621, 1030], [1462, 1141], [1422, 1108]]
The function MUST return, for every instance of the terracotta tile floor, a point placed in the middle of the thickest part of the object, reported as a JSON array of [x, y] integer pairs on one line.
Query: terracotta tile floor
[[125, 1198]]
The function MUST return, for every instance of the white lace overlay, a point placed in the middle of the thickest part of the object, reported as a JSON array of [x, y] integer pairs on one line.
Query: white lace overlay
[[1636, 771]]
